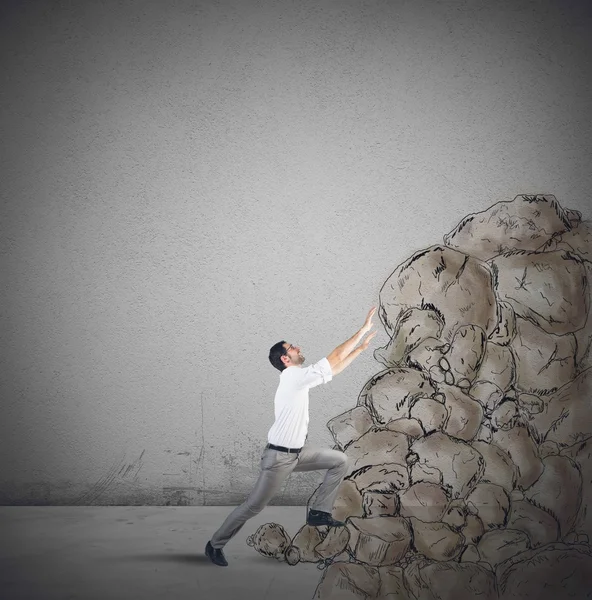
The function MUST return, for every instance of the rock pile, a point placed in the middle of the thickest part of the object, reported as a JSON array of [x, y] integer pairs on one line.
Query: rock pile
[[470, 451]]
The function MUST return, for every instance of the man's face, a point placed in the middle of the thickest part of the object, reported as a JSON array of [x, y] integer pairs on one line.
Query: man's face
[[294, 355]]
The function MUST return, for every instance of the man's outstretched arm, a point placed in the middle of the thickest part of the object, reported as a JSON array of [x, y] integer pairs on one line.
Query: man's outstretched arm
[[352, 355], [347, 352]]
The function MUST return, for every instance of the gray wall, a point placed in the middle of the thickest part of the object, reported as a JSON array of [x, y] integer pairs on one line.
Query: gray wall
[[185, 183]]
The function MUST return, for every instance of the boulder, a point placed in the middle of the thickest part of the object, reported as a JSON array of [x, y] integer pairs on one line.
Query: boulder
[[538, 524], [497, 367], [304, 543], [389, 394], [499, 468], [547, 573], [424, 501], [348, 581], [566, 417], [348, 501], [527, 222], [392, 584], [473, 529], [522, 450], [464, 413], [547, 288], [558, 491], [430, 413], [488, 394], [544, 362], [460, 466], [454, 581], [491, 503], [505, 329], [383, 479], [350, 426], [378, 447], [466, 352], [505, 416], [270, 540], [427, 354], [577, 240], [413, 326], [499, 545], [471, 554], [436, 541], [581, 454], [456, 514], [444, 280], [380, 540], [377, 504], [333, 544], [410, 427]]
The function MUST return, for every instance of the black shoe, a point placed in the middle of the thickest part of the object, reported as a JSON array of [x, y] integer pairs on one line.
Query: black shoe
[[216, 555], [318, 518]]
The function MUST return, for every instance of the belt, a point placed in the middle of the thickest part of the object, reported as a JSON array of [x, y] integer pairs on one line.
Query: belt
[[282, 449]]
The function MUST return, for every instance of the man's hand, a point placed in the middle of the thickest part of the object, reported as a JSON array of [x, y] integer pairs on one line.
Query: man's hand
[[368, 322], [365, 343]]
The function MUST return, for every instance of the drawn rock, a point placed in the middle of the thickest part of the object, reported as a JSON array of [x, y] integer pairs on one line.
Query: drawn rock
[[350, 426], [558, 491], [436, 541], [383, 479], [498, 367], [348, 580], [454, 581], [430, 413], [376, 504], [544, 362], [473, 529], [547, 573], [549, 449], [444, 280], [304, 542], [424, 501], [456, 515], [471, 554], [378, 447], [576, 241], [334, 543], [530, 404], [581, 454], [466, 352], [566, 418], [270, 540], [538, 524], [547, 288], [389, 394], [485, 433], [499, 468], [460, 465], [465, 414], [427, 354], [521, 448], [348, 501], [413, 326], [526, 223], [498, 545], [505, 328], [392, 585], [379, 541], [505, 416], [410, 427], [491, 504]]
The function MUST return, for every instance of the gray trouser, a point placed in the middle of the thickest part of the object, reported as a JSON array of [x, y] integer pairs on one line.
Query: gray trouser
[[276, 467]]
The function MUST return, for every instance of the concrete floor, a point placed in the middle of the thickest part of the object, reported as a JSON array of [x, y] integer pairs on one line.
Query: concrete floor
[[143, 552]]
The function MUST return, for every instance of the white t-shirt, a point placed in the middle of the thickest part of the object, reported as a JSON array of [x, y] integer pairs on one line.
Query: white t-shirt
[[291, 403]]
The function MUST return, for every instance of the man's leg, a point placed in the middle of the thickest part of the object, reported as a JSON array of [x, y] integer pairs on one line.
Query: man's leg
[[317, 459], [275, 468]]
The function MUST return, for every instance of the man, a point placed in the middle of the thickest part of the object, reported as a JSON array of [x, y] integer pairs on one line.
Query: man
[[286, 450]]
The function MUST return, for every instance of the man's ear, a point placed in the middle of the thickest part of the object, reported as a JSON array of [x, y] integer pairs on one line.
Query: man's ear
[[285, 359]]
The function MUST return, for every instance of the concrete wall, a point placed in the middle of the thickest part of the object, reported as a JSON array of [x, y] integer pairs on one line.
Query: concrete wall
[[186, 183]]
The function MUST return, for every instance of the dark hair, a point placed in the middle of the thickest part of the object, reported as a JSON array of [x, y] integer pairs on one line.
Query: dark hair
[[275, 353]]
